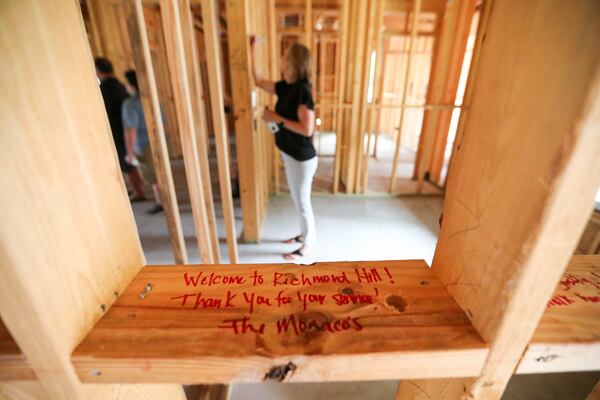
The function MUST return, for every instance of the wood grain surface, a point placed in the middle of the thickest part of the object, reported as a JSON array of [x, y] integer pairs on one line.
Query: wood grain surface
[[165, 329], [568, 336], [13, 364]]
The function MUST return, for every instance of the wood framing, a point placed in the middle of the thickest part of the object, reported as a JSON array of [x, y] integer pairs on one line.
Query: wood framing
[[344, 22], [246, 135], [443, 84], [179, 75], [568, 335], [211, 40], [69, 241], [190, 50], [156, 131], [413, 35], [371, 320], [546, 102]]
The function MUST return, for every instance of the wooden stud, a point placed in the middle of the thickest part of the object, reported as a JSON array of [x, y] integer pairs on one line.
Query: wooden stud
[[413, 36], [567, 339], [344, 26], [377, 85], [246, 137], [156, 131], [97, 43], [275, 76], [545, 189], [69, 240], [308, 25], [363, 112], [199, 108], [354, 150], [481, 29], [431, 339], [180, 82], [444, 78], [211, 40]]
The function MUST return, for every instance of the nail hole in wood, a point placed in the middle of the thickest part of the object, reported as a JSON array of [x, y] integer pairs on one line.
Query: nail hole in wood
[[280, 372]]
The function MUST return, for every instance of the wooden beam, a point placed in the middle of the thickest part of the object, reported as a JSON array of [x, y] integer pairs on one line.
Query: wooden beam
[[308, 25], [13, 364], [445, 74], [473, 69], [246, 139], [360, 18], [156, 130], [568, 335], [179, 76], [377, 85], [344, 22], [413, 36], [69, 241], [374, 320], [191, 51], [275, 76], [363, 112], [213, 58], [513, 217]]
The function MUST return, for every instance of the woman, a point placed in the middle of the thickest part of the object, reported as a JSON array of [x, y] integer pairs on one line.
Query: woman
[[295, 118]]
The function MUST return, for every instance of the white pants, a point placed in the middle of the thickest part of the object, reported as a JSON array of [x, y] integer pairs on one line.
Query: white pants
[[300, 176]]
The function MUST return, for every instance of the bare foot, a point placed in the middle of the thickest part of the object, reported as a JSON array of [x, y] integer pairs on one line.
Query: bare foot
[[295, 255], [297, 239]]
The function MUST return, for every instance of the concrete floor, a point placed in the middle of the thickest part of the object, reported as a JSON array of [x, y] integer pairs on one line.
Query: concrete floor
[[348, 228]]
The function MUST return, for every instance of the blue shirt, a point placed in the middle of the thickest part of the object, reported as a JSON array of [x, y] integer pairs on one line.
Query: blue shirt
[[133, 117]]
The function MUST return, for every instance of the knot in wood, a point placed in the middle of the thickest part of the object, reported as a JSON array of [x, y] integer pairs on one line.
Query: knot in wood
[[280, 372]]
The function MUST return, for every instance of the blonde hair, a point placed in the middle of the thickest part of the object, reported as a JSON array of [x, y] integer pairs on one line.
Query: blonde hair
[[298, 57]]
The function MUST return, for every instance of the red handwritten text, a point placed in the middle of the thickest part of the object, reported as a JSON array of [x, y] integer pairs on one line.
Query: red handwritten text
[[254, 299], [242, 326], [306, 299], [213, 279], [343, 299], [298, 326], [280, 279], [560, 300], [205, 302]]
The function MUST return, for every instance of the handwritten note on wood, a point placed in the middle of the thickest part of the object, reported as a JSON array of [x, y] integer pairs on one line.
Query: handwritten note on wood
[[573, 313], [568, 335], [279, 313]]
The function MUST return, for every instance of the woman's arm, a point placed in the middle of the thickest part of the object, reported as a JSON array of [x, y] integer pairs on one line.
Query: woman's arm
[[264, 84], [305, 125]]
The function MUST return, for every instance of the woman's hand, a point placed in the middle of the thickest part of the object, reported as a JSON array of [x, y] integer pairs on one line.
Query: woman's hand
[[271, 116]]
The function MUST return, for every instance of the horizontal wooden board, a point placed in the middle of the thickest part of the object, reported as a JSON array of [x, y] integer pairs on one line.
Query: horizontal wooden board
[[13, 364], [568, 336], [319, 322]]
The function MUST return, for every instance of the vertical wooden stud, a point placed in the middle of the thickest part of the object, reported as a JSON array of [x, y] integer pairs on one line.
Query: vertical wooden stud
[[69, 241], [546, 189], [183, 105], [190, 47], [211, 39], [341, 94], [245, 134], [156, 130], [413, 36]]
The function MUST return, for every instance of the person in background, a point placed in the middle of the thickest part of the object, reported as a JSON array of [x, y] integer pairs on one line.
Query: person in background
[[137, 144], [113, 94], [295, 118]]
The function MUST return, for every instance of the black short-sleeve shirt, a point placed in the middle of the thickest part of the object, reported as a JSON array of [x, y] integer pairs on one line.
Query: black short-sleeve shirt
[[289, 97]]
